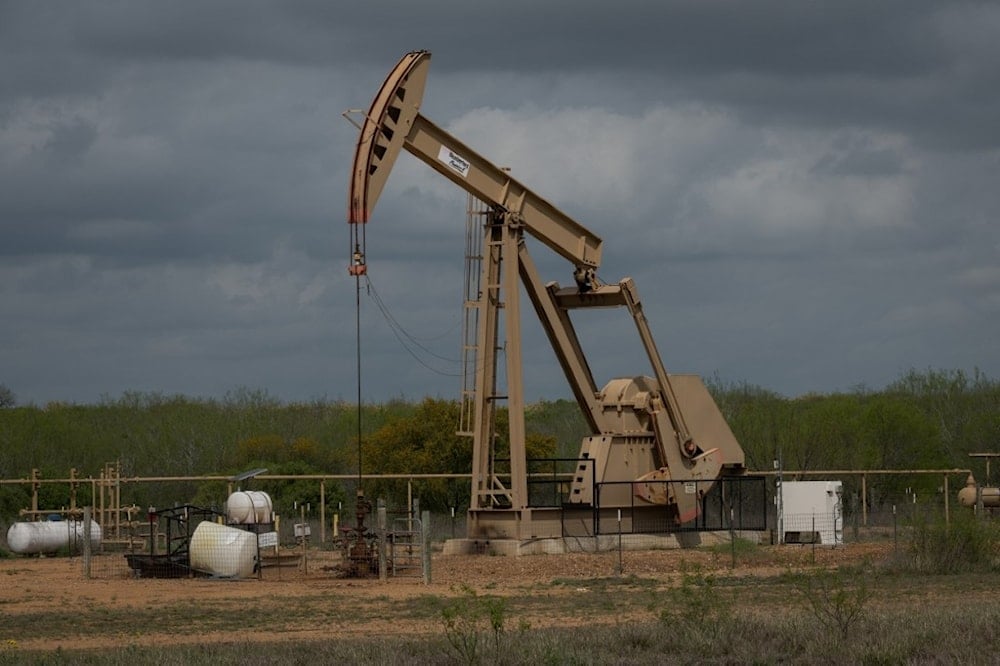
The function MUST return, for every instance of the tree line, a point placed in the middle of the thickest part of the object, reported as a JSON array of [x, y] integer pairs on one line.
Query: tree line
[[923, 420]]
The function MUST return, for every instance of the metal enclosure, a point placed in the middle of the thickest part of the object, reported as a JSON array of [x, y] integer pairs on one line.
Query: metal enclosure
[[811, 512]]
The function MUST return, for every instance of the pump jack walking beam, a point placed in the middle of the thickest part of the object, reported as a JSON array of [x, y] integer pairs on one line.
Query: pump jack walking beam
[[394, 122]]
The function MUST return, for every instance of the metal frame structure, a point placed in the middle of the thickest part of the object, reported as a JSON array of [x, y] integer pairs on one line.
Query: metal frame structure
[[644, 429], [178, 524]]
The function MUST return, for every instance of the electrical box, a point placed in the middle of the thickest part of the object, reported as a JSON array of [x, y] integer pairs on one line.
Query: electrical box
[[811, 512]]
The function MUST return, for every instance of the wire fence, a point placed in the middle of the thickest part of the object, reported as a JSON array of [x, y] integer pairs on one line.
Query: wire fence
[[873, 505]]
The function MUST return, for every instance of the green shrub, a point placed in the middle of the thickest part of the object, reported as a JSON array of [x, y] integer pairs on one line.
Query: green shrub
[[837, 599], [474, 623], [697, 608], [964, 545]]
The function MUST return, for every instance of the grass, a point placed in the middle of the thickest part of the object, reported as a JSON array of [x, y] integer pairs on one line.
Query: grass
[[895, 612], [889, 636], [838, 599], [744, 549], [700, 618], [965, 544]]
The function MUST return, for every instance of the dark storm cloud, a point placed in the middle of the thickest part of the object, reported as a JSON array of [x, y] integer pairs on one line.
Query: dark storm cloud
[[926, 67], [805, 192]]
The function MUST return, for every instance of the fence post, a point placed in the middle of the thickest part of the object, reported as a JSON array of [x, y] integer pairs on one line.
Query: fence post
[[425, 545], [947, 514], [895, 533], [621, 566], [813, 539], [305, 553], [732, 535], [86, 542], [382, 542], [854, 516], [864, 500], [596, 515], [322, 512]]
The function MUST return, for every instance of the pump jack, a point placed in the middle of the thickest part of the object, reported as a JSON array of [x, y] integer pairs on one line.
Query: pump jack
[[645, 430]]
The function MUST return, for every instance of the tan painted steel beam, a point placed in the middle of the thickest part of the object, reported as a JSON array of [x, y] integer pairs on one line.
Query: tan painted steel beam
[[604, 296], [486, 367], [393, 122], [626, 294], [562, 336], [515, 384], [474, 173], [674, 413]]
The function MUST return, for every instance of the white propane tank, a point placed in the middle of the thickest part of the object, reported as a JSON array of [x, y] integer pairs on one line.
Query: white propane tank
[[50, 536], [245, 507], [222, 551]]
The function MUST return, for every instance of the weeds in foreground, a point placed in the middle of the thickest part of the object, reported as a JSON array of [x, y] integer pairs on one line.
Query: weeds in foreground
[[965, 544], [470, 620], [697, 608], [837, 599], [761, 630]]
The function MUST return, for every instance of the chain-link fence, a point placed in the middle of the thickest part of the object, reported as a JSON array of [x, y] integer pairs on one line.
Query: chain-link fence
[[873, 505]]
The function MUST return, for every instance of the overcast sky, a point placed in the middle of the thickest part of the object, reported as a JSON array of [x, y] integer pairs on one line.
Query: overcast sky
[[805, 193]]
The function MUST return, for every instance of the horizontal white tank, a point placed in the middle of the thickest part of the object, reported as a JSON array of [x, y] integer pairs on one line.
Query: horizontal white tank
[[246, 507], [50, 536], [223, 551]]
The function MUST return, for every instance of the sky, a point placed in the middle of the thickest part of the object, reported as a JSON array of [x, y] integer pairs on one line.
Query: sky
[[806, 194]]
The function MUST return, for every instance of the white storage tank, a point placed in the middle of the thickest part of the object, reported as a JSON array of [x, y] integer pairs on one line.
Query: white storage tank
[[50, 536], [245, 507], [223, 551]]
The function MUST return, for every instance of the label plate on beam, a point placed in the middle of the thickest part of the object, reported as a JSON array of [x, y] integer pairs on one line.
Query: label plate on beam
[[455, 162]]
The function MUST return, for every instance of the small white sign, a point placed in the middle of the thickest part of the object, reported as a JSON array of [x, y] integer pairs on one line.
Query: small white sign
[[302, 529], [690, 488], [455, 162], [267, 540]]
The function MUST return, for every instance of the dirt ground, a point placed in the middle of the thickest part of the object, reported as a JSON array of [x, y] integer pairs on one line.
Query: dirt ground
[[53, 590]]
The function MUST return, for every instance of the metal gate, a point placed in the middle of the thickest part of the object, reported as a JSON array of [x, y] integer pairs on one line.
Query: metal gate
[[406, 547]]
